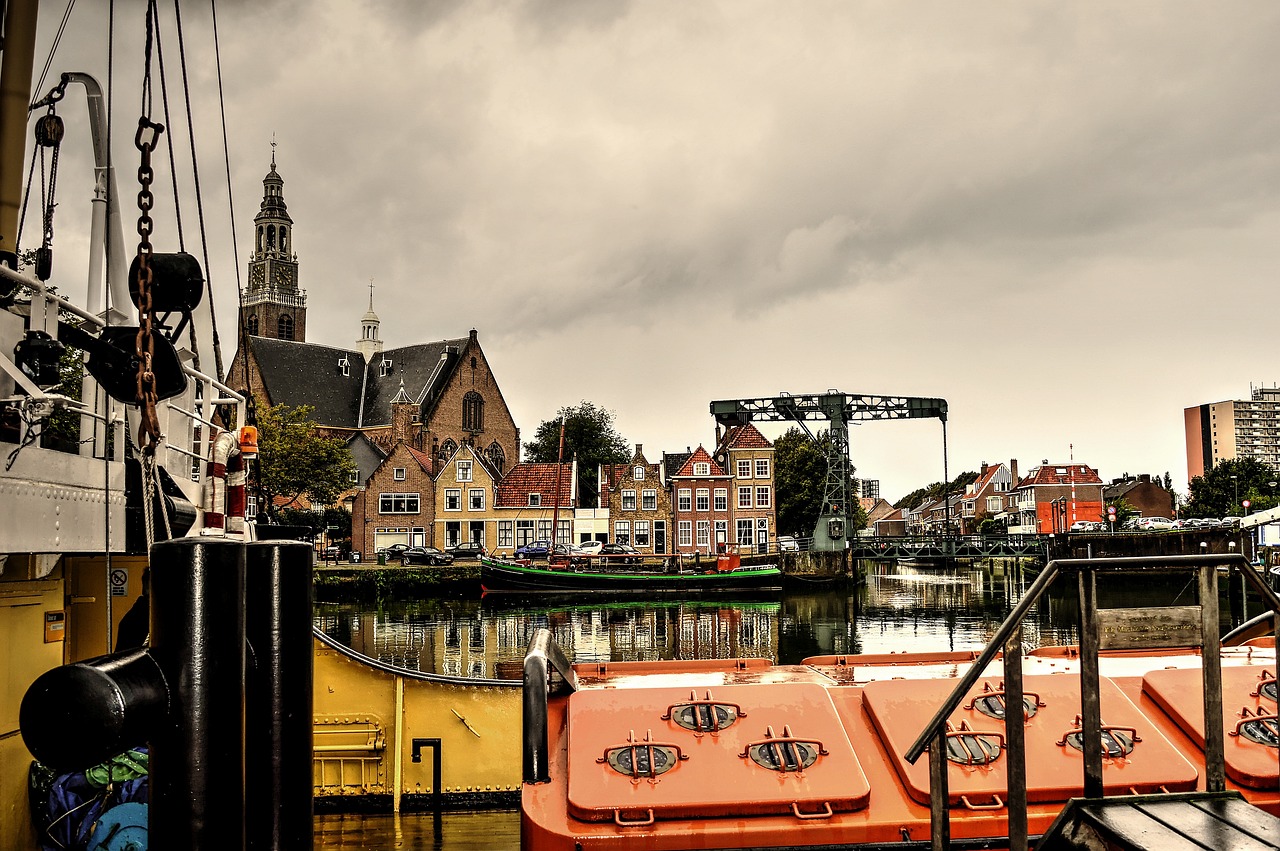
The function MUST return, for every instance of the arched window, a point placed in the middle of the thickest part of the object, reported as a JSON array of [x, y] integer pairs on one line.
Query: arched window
[[252, 325], [473, 411], [447, 449], [284, 240], [271, 236], [285, 326], [259, 239], [497, 458]]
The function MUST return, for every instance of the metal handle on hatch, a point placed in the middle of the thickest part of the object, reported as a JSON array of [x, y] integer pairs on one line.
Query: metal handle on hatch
[[996, 804], [826, 812], [621, 822]]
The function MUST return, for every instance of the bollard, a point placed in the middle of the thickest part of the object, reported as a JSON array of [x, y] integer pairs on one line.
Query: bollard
[[82, 714], [278, 696], [198, 641]]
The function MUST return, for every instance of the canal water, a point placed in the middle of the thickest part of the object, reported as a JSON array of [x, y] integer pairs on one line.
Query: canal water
[[900, 607]]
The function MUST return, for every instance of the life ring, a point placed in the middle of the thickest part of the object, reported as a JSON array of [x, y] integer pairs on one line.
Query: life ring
[[224, 488]]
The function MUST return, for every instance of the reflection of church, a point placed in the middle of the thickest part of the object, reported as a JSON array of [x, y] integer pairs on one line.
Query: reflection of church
[[456, 399]]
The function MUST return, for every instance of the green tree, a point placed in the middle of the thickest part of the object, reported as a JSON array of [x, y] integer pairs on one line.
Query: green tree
[[935, 490], [800, 480], [294, 461], [1221, 490], [589, 434]]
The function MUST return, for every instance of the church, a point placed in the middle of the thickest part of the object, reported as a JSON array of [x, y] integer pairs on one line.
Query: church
[[444, 394]]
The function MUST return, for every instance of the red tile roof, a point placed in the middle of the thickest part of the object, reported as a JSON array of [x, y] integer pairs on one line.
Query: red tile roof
[[423, 459], [1061, 474], [700, 455], [524, 479], [744, 436]]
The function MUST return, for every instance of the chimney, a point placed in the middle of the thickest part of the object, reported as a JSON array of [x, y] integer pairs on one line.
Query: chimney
[[639, 450], [1145, 478], [982, 471], [1013, 469]]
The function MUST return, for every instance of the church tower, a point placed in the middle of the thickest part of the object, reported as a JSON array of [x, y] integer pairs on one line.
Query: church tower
[[369, 344], [273, 306]]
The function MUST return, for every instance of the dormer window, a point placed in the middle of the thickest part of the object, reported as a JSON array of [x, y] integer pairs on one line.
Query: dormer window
[[702, 468], [345, 366], [535, 500], [384, 368]]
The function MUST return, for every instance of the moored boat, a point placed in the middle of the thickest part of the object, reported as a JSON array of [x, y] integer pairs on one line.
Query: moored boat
[[743, 753], [498, 575]]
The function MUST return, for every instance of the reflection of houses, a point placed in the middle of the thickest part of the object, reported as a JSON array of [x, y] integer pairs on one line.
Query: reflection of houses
[[530, 498], [639, 505], [1144, 495], [1053, 496]]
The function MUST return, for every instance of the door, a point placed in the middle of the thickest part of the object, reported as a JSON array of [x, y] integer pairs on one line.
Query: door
[[659, 536]]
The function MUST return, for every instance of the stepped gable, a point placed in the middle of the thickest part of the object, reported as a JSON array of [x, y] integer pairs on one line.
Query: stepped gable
[[295, 373], [523, 479], [424, 368]]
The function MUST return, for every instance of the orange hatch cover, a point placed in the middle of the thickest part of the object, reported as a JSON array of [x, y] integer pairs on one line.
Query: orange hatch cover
[[1248, 717], [1137, 757], [729, 750]]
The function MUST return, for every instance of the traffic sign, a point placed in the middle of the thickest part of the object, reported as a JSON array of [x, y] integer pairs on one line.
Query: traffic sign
[[1111, 510], [1246, 503]]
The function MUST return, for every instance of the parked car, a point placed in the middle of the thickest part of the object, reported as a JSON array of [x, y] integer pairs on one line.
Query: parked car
[[470, 550], [1083, 526], [569, 553], [1153, 524], [425, 555], [534, 549], [615, 551], [787, 544], [1231, 521], [393, 551], [591, 548]]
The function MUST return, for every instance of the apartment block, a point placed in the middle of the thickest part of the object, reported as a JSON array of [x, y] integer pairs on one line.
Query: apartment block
[[1240, 428]]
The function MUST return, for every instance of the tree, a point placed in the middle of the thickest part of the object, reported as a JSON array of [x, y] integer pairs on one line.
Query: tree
[[294, 461], [589, 434], [934, 491], [1221, 490], [800, 480]]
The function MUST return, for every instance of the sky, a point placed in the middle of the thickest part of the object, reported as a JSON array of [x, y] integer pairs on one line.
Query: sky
[[1061, 218]]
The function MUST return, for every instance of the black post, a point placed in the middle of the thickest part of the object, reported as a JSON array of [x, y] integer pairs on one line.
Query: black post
[[278, 696], [197, 640]]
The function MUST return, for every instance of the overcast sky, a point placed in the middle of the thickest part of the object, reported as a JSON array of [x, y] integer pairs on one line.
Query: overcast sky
[[1061, 218]]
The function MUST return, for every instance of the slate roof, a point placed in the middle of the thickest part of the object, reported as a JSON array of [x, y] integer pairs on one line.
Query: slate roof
[[523, 479], [297, 373], [672, 463]]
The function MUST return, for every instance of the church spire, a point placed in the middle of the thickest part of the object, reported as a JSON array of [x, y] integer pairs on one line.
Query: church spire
[[274, 306], [369, 344]]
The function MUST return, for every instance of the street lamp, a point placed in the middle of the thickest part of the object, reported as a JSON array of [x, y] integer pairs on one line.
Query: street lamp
[[1235, 482]]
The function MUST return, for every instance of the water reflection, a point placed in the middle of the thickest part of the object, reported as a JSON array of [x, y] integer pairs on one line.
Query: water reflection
[[900, 607]]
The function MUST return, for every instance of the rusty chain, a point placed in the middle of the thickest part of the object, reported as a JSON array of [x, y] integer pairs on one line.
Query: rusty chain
[[144, 346]]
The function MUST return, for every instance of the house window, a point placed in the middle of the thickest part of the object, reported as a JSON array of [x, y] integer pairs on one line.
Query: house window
[[535, 499], [476, 499], [762, 468], [343, 363], [642, 533], [744, 533], [399, 503], [686, 533], [704, 533], [762, 497], [285, 327], [622, 531], [702, 468], [649, 500], [253, 329], [505, 531], [355, 477], [384, 368], [473, 411], [464, 471], [722, 499], [684, 500], [524, 532], [637, 473], [628, 500], [744, 469], [452, 531], [398, 474], [744, 497], [564, 531], [703, 500], [453, 499], [544, 530]]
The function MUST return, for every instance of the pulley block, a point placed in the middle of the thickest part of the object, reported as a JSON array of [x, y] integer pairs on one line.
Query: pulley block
[[177, 283], [37, 355], [114, 362]]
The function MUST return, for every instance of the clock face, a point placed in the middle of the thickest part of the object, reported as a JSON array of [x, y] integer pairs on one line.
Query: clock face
[[286, 276], [257, 275]]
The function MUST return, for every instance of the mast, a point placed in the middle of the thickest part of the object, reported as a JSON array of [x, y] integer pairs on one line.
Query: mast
[[555, 512], [15, 100]]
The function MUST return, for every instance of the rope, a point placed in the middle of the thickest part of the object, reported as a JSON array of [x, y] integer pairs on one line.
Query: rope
[[53, 49], [168, 121]]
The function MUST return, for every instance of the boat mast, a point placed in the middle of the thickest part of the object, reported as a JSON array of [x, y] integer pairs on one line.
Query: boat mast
[[555, 512], [15, 100]]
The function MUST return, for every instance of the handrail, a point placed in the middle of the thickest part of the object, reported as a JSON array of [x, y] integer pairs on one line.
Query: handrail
[[542, 657], [1008, 637]]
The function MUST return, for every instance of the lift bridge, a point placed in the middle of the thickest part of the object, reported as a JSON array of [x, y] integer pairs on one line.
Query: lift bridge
[[838, 409]]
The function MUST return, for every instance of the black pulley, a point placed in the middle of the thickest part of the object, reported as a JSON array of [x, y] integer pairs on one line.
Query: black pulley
[[37, 355], [114, 363], [49, 131], [177, 283]]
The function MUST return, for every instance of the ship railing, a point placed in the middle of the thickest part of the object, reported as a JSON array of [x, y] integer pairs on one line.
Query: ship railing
[[546, 671], [1008, 638]]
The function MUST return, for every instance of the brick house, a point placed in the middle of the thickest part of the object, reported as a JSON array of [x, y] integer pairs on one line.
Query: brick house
[[747, 455], [531, 498], [1051, 497], [396, 505], [465, 489], [700, 508], [1143, 493], [638, 502], [985, 497]]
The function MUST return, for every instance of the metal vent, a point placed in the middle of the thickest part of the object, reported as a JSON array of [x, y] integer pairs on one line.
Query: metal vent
[[967, 746], [646, 758], [1262, 728], [783, 753], [704, 716], [1116, 741]]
